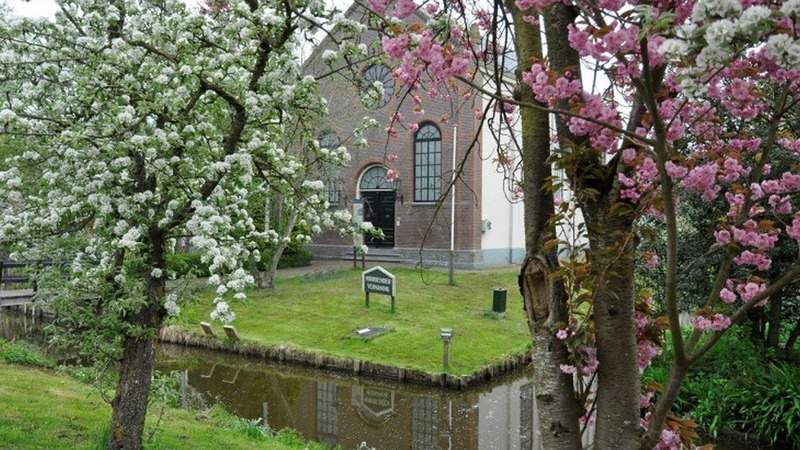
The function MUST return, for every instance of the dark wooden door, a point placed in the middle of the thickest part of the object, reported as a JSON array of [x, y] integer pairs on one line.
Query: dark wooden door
[[379, 209]]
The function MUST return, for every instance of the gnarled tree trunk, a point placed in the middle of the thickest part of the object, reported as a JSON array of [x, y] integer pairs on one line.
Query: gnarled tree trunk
[[612, 249], [138, 359], [545, 299], [130, 403]]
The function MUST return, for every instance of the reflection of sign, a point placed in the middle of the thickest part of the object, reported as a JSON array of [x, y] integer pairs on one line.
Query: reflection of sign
[[379, 281], [374, 405]]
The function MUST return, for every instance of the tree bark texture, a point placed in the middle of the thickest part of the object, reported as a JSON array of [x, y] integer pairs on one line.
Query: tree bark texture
[[611, 252], [545, 299], [556, 402], [775, 312], [130, 403], [611, 255], [792, 340], [129, 407], [269, 276]]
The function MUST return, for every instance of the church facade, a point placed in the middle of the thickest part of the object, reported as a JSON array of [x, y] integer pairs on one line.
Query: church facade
[[400, 177]]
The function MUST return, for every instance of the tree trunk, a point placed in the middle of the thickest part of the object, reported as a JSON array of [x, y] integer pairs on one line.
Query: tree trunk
[[268, 277], [774, 318], [129, 407], [611, 255], [544, 298], [268, 280], [792, 340], [130, 403], [557, 406], [612, 249], [756, 318]]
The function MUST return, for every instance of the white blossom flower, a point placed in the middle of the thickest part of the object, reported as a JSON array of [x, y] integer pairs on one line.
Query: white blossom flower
[[7, 115], [222, 312], [171, 305], [791, 7], [708, 9]]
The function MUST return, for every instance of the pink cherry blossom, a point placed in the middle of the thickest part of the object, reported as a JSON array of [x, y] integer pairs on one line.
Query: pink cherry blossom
[[717, 322]]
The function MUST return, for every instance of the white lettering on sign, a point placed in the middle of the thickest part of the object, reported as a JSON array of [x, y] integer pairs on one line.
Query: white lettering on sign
[[378, 279], [372, 287]]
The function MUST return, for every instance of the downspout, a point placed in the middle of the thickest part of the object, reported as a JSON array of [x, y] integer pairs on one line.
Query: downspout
[[453, 210]]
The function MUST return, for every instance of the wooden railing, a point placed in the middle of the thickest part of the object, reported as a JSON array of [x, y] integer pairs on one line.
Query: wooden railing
[[16, 273]]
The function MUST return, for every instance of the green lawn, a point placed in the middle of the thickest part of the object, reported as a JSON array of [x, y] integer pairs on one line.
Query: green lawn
[[40, 409], [321, 315]]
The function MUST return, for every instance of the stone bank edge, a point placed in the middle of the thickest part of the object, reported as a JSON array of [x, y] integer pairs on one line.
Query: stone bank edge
[[174, 335]]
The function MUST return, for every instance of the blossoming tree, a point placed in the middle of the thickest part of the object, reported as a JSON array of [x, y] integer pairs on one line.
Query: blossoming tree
[[650, 101], [145, 122]]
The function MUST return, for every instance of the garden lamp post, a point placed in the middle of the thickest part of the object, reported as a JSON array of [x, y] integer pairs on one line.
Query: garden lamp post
[[447, 336]]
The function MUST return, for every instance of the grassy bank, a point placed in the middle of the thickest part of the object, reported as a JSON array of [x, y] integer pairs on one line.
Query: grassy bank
[[42, 409], [320, 313]]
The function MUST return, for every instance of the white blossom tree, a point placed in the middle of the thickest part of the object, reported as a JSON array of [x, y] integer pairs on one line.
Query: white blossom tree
[[146, 121]]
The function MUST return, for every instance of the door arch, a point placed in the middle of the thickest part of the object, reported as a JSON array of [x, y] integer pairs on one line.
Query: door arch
[[378, 196]]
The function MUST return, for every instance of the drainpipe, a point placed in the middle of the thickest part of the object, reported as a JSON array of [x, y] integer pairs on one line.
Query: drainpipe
[[511, 207], [453, 211]]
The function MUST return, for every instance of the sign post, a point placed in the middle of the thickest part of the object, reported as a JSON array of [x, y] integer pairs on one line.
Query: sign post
[[380, 281]]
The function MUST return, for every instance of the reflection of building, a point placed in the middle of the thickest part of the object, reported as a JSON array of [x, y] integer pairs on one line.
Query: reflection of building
[[507, 418], [425, 423], [350, 411], [488, 228], [327, 416]]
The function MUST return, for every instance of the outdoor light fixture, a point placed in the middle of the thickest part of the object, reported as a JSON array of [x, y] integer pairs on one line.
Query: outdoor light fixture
[[447, 336], [397, 183]]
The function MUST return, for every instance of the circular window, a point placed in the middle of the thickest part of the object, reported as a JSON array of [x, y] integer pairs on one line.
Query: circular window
[[377, 86]]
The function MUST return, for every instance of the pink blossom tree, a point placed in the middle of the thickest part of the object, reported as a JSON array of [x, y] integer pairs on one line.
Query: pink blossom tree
[[650, 101]]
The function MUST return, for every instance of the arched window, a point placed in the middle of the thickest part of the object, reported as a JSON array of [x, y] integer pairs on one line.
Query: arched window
[[330, 173], [427, 163], [374, 179]]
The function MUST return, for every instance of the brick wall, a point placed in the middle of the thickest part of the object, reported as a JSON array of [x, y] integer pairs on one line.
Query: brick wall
[[416, 224]]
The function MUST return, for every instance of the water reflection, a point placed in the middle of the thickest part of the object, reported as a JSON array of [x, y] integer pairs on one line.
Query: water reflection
[[15, 326], [336, 409]]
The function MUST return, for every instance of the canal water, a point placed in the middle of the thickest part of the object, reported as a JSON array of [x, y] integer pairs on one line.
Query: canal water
[[338, 409]]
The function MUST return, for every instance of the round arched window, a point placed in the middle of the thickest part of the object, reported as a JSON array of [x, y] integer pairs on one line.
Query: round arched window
[[377, 86], [374, 179]]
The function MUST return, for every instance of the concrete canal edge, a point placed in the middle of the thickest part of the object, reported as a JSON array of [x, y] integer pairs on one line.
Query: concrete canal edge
[[173, 335]]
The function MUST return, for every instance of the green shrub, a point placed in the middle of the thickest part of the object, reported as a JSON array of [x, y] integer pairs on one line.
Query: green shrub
[[771, 408], [22, 353], [186, 264], [736, 387], [712, 392], [295, 258]]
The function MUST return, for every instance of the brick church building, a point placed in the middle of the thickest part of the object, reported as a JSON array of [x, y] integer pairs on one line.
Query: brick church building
[[414, 208]]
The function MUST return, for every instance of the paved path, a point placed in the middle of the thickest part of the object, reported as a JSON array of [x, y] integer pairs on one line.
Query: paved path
[[319, 265]]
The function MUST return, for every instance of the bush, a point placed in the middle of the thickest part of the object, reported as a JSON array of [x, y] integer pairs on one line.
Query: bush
[[22, 354], [186, 264], [771, 408], [295, 258], [736, 387]]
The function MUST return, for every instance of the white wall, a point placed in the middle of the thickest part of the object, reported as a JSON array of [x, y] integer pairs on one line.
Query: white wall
[[506, 238]]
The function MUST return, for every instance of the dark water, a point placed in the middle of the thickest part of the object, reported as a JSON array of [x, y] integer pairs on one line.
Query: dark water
[[339, 409]]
